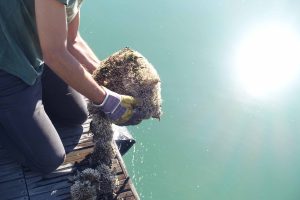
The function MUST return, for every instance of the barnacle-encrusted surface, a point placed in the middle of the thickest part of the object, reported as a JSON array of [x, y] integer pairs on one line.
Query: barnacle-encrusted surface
[[103, 153], [83, 190], [92, 184], [107, 179], [89, 174], [101, 129], [128, 72]]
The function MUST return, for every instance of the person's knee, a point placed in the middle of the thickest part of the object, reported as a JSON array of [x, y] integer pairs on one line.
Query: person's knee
[[49, 163]]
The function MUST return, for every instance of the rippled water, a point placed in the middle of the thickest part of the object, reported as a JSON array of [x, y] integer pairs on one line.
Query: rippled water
[[217, 140]]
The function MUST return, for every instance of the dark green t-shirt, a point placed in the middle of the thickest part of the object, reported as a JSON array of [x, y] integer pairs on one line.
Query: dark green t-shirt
[[20, 52]]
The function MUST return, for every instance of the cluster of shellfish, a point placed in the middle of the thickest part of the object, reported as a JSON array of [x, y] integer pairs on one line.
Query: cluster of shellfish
[[126, 72]]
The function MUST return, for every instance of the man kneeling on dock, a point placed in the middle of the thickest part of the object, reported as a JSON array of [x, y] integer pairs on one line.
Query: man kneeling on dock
[[45, 68]]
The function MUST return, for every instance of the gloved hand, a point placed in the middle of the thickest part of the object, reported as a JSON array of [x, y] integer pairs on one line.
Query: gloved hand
[[120, 108]]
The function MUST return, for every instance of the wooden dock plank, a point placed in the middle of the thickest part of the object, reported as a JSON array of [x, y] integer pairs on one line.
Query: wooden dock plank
[[12, 182], [13, 189], [17, 182]]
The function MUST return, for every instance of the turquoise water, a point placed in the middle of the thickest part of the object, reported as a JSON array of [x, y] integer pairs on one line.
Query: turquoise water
[[224, 135]]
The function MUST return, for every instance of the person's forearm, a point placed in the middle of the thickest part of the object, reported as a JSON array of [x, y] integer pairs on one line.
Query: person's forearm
[[83, 53], [52, 30], [74, 74]]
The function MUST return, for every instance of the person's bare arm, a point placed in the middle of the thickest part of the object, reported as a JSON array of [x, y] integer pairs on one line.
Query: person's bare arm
[[79, 48], [52, 31]]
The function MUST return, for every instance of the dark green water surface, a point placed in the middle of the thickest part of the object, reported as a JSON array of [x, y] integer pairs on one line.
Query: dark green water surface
[[216, 141]]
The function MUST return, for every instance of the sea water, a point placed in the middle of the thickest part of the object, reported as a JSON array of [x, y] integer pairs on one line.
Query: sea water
[[229, 71]]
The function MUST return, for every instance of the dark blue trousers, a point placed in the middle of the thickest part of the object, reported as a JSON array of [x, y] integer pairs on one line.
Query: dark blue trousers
[[27, 114]]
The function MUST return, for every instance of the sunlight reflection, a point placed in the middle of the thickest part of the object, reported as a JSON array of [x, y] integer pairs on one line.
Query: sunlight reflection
[[267, 59]]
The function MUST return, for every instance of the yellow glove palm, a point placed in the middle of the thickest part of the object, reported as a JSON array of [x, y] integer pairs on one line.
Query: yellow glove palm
[[120, 108]]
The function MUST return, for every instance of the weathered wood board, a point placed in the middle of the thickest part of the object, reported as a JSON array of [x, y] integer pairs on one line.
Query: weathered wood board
[[19, 183]]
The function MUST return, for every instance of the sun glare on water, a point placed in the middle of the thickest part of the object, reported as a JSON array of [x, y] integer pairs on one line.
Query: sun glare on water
[[267, 59]]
